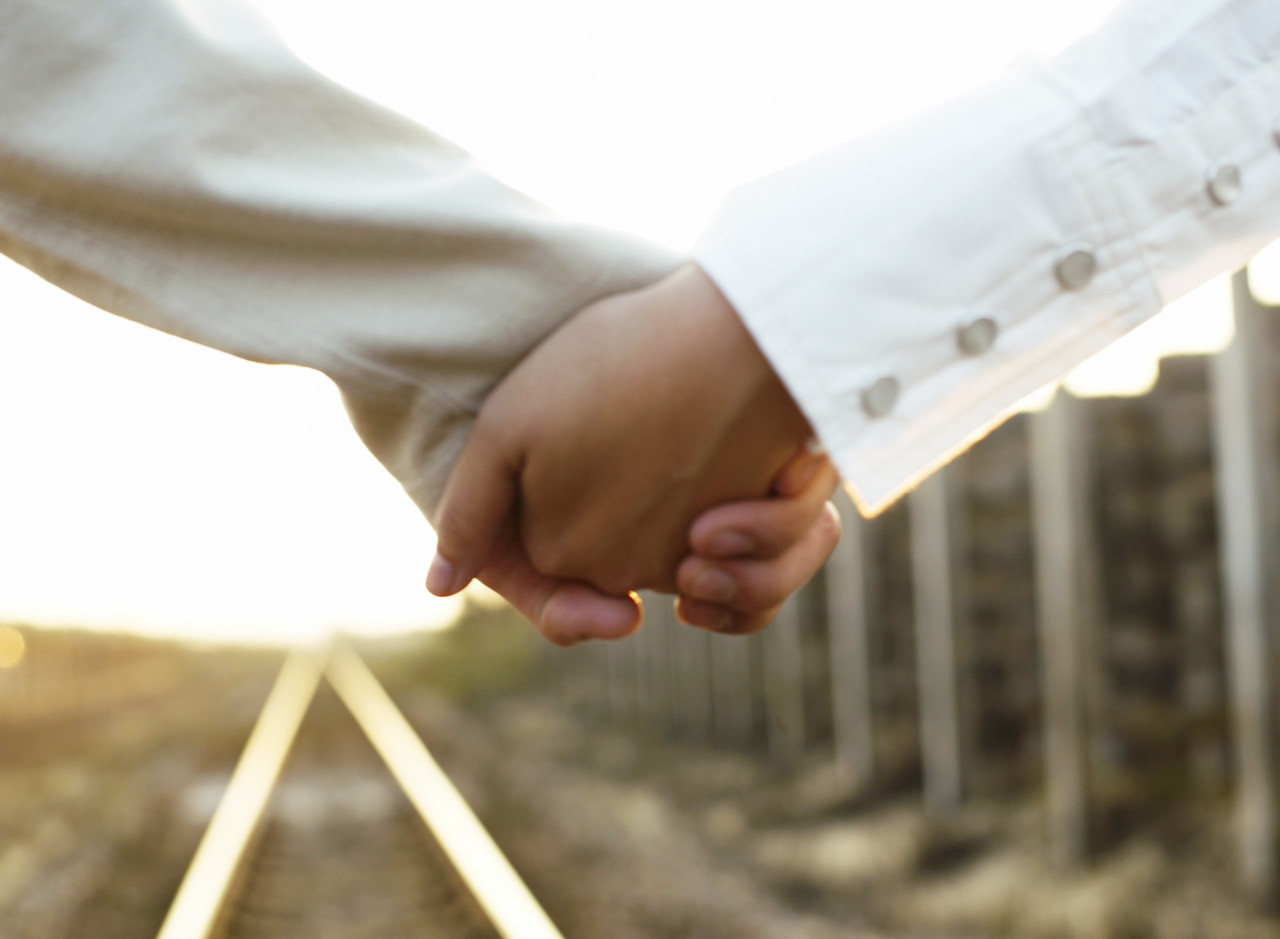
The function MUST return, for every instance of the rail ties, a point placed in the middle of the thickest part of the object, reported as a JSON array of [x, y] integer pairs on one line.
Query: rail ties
[[342, 852], [331, 844]]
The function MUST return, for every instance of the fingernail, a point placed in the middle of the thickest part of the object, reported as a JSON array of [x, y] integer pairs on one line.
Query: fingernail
[[724, 622], [714, 586], [442, 577], [729, 544]]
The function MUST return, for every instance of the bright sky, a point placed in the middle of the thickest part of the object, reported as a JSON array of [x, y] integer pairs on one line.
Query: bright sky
[[151, 484]]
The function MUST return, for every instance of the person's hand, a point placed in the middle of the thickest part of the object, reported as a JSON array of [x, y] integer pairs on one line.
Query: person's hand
[[590, 461], [749, 556], [767, 547]]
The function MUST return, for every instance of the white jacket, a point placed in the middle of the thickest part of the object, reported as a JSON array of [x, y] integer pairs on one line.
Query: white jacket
[[913, 287]]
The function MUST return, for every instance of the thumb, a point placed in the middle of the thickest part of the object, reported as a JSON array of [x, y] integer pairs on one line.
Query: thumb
[[474, 510]]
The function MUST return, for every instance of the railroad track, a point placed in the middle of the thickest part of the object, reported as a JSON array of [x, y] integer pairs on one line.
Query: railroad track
[[338, 824]]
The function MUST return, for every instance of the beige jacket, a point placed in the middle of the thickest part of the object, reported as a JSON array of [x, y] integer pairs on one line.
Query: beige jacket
[[170, 161]]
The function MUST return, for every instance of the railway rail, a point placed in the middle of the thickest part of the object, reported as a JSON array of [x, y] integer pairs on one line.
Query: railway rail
[[316, 837]]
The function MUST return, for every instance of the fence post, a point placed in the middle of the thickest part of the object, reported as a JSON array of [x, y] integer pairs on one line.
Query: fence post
[[934, 561], [1244, 442], [733, 704], [848, 637], [619, 674], [784, 685], [638, 646], [1067, 598], [654, 667], [691, 675]]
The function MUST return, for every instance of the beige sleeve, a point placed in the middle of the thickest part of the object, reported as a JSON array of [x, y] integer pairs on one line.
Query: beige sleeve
[[170, 161]]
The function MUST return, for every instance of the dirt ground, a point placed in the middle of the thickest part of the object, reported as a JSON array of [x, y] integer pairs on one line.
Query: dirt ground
[[628, 838], [621, 836]]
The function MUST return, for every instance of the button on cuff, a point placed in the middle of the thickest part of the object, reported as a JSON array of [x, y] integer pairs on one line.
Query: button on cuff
[[881, 398], [977, 337], [1225, 183], [1077, 264]]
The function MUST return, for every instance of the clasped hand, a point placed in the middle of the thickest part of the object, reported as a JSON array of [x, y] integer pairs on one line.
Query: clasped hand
[[646, 444]]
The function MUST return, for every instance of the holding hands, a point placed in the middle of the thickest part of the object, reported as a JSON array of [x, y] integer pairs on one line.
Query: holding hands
[[646, 444]]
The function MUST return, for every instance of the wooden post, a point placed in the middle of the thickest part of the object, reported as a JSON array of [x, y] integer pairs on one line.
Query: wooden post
[[653, 669], [733, 701], [784, 685], [619, 672], [1067, 601], [692, 668], [1245, 441], [638, 646], [661, 684], [848, 637], [934, 560], [688, 674]]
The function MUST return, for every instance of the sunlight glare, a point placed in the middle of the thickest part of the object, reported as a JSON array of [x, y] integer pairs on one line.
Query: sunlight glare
[[1199, 323], [1264, 276], [151, 484], [13, 647]]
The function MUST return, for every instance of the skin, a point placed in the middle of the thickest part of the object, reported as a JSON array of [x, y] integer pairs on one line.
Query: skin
[[590, 465], [748, 557]]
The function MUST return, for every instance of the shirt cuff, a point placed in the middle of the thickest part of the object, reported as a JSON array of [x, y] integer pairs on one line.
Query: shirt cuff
[[913, 288]]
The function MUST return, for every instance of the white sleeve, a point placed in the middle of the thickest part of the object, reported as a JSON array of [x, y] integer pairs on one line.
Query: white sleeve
[[913, 287], [172, 162]]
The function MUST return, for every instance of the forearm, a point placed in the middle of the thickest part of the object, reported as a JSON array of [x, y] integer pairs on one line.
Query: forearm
[[863, 272], [175, 164]]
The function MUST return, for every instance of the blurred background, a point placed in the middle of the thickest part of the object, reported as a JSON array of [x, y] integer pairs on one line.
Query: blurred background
[[172, 518]]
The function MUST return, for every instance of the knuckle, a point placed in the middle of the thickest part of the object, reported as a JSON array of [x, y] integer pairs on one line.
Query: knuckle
[[551, 555]]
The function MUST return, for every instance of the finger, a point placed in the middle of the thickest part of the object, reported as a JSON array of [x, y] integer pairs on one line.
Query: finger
[[565, 612], [719, 619], [474, 511], [797, 474], [751, 585], [763, 528]]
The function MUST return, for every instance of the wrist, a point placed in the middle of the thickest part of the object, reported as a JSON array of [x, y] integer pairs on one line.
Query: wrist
[[737, 378], [752, 391]]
